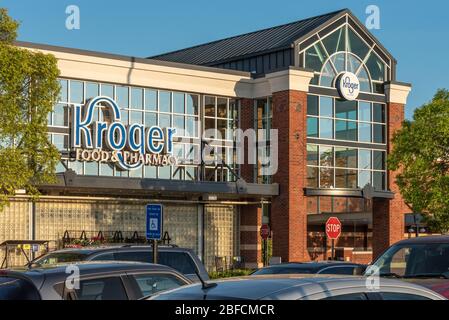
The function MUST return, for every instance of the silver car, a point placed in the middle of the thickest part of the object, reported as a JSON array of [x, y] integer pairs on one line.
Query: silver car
[[301, 287]]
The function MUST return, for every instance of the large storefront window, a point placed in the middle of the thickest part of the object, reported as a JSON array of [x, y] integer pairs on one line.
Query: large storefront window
[[151, 107], [345, 168], [356, 121], [263, 121]]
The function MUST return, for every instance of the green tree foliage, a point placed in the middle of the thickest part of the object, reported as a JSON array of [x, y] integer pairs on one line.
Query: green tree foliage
[[421, 154], [28, 91]]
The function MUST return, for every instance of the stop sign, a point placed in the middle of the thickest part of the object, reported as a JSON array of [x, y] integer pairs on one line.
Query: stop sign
[[333, 228], [265, 231]]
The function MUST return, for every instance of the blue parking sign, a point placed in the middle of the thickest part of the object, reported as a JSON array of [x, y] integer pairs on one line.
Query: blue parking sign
[[154, 221]]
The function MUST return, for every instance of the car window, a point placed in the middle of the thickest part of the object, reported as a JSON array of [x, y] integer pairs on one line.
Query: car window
[[348, 297], [180, 261], [101, 289], [135, 256], [17, 289], [401, 296], [280, 270], [104, 257], [60, 257], [338, 270], [150, 284]]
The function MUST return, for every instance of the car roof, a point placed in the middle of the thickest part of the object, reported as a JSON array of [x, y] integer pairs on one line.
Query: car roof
[[259, 287], [426, 240]]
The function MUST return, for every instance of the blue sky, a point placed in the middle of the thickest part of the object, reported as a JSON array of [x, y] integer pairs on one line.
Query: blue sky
[[417, 34]]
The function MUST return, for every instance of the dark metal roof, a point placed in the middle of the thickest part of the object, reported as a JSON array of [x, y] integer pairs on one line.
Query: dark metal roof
[[266, 40]]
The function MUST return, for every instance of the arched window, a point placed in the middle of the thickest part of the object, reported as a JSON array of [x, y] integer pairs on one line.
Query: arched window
[[344, 50]]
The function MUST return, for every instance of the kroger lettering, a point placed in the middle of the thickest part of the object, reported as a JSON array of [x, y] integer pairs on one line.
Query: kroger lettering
[[348, 86], [129, 147]]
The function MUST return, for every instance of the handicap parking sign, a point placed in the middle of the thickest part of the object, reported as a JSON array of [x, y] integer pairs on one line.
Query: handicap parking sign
[[154, 213]]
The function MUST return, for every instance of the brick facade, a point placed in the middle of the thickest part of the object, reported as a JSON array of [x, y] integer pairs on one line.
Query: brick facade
[[388, 215], [288, 210]]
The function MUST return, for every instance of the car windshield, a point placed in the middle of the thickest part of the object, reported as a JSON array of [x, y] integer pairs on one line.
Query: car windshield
[[413, 260], [59, 257]]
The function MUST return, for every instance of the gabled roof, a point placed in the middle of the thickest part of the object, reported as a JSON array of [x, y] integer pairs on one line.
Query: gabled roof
[[266, 40]]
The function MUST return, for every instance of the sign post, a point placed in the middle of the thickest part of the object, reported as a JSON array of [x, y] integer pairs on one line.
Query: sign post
[[154, 226], [333, 232], [265, 233]]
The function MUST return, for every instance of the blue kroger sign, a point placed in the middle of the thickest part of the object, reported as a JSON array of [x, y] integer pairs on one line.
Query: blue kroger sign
[[128, 146]]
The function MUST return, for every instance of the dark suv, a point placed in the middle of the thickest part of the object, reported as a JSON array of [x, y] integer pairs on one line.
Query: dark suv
[[423, 260], [183, 260]]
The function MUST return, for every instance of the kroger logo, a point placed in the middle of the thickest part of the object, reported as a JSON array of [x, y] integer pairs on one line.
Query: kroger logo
[[348, 86], [129, 147]]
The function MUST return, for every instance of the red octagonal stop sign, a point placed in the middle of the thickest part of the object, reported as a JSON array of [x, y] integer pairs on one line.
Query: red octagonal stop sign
[[333, 228], [265, 231]]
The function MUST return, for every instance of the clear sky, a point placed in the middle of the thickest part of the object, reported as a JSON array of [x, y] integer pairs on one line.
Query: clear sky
[[416, 33]]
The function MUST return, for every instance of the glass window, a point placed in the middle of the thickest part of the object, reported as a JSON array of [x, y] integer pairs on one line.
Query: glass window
[[365, 132], [364, 178], [348, 297], [164, 173], [150, 172], [178, 102], [345, 130], [178, 123], [315, 57], [336, 41], [326, 178], [345, 158], [76, 91], [364, 111], [150, 284], [326, 107], [312, 155], [345, 178], [13, 288], [326, 128], [150, 100], [192, 126], [64, 94], [164, 101], [61, 115], [92, 90], [101, 289], [312, 105], [61, 141], [222, 107], [376, 67], [192, 104], [379, 160], [346, 109], [379, 133], [312, 127], [106, 170], [107, 90], [357, 45], [136, 98], [209, 106], [378, 113], [122, 96], [399, 296], [136, 117], [91, 169], [326, 156], [312, 177], [150, 119], [379, 180], [164, 120], [339, 61], [365, 159]]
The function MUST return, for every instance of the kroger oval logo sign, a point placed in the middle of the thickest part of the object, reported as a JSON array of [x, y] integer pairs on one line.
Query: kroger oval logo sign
[[348, 86], [128, 146]]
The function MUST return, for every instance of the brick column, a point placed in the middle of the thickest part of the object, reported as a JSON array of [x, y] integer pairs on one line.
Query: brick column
[[288, 210], [388, 215], [250, 240]]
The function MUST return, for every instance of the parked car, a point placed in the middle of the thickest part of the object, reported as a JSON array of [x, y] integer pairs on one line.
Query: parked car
[[423, 260], [325, 267], [97, 281], [181, 259], [299, 287]]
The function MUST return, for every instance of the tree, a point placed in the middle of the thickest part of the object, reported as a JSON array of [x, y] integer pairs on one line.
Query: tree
[[28, 91], [421, 154]]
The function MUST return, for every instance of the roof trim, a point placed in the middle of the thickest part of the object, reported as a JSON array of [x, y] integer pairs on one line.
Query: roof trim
[[47, 47]]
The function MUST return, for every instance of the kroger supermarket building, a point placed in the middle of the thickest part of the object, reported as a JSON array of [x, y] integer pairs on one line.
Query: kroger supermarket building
[[130, 132]]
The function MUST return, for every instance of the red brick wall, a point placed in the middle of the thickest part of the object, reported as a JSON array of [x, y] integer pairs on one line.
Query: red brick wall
[[247, 122], [388, 215], [288, 210], [250, 240]]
